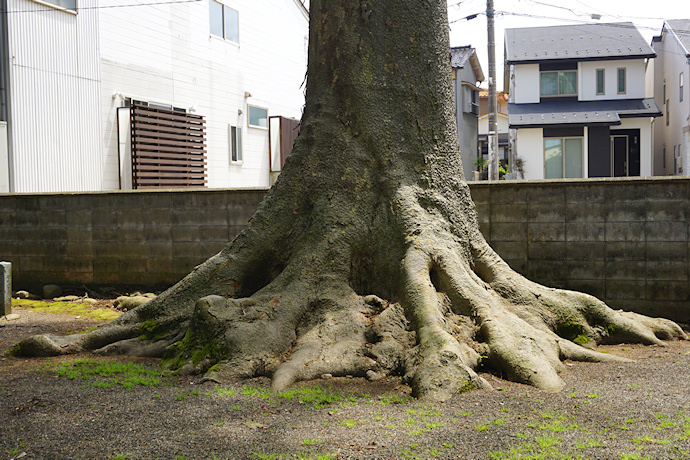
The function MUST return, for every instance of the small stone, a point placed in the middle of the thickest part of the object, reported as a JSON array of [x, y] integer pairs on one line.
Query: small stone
[[10, 317], [23, 295], [51, 291], [326, 376], [66, 298], [89, 300], [374, 376]]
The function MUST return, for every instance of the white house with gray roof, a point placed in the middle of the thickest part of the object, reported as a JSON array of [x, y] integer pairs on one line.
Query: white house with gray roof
[[467, 74], [578, 106], [671, 72]]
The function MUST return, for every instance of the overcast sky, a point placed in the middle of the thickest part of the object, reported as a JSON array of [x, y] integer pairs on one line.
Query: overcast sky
[[647, 16]]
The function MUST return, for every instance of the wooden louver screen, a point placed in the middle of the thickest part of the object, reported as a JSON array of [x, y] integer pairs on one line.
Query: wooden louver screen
[[168, 148]]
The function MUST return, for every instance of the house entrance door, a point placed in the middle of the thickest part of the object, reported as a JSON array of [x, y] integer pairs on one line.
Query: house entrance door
[[619, 156], [625, 152]]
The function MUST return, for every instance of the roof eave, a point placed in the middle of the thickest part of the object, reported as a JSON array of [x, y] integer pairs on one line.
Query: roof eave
[[580, 59]]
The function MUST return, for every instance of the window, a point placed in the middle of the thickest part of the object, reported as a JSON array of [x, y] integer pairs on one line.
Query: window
[[224, 21], [257, 117], [668, 114], [663, 158], [129, 102], [621, 80], [562, 157], [69, 5], [600, 81], [663, 98], [559, 83], [680, 86], [235, 144]]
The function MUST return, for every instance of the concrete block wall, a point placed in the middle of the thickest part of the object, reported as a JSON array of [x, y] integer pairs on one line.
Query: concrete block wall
[[141, 238], [624, 241]]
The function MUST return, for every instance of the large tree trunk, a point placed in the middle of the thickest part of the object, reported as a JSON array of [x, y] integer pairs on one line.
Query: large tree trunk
[[366, 255]]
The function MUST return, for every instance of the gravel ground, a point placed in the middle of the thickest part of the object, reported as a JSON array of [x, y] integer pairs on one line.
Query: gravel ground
[[607, 411]]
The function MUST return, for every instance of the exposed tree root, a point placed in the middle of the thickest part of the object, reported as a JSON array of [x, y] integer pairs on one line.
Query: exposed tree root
[[365, 257], [454, 314]]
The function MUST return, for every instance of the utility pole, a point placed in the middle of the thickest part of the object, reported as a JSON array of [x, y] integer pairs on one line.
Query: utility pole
[[493, 123]]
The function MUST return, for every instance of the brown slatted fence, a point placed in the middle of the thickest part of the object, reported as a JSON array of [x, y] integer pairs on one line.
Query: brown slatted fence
[[168, 148]]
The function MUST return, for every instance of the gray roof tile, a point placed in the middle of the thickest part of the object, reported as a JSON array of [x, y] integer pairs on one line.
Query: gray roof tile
[[460, 55], [580, 112], [578, 42]]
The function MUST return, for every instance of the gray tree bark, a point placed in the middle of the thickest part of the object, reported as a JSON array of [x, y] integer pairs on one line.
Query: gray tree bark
[[366, 254]]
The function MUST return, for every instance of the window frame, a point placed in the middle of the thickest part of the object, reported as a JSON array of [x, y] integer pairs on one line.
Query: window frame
[[603, 82], [558, 83], [249, 125], [58, 7], [224, 35], [624, 80], [563, 162], [235, 145]]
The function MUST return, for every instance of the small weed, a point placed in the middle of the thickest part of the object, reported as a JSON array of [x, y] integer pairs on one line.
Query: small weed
[[482, 427], [221, 423], [310, 441], [592, 395], [349, 423], [117, 457]]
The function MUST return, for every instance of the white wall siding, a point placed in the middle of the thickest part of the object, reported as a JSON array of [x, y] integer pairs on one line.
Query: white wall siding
[[635, 79], [165, 53], [530, 148], [526, 84], [670, 63], [54, 81]]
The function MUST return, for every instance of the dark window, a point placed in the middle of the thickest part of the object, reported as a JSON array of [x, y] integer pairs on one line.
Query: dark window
[[680, 86], [621, 80], [600, 81], [558, 83]]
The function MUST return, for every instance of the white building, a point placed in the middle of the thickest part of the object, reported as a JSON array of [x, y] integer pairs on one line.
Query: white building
[[671, 91], [69, 68], [577, 100]]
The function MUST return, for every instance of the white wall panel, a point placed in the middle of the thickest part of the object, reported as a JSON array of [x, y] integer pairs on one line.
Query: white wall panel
[[54, 83]]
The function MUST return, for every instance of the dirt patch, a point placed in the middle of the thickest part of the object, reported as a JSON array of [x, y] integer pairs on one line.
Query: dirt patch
[[613, 411]]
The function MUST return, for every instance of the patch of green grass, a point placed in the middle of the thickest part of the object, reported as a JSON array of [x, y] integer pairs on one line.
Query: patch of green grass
[[592, 395], [84, 310], [349, 423], [121, 457], [261, 393], [310, 442], [483, 427], [318, 396], [105, 374], [634, 457], [264, 456], [391, 398], [589, 443], [646, 439]]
